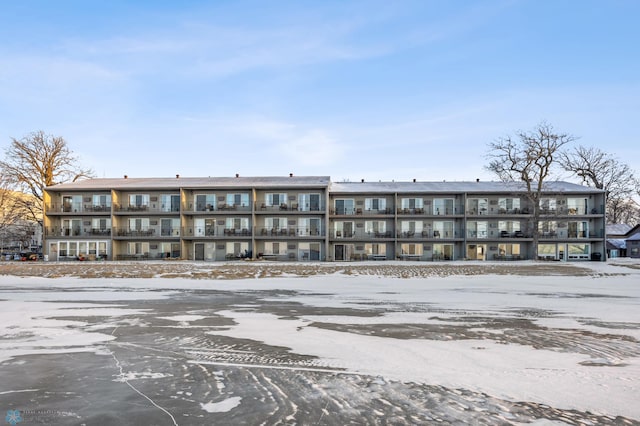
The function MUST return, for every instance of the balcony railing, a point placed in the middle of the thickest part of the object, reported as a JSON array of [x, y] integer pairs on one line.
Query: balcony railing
[[219, 207], [290, 231], [145, 208], [288, 207], [146, 232], [77, 208], [52, 232]]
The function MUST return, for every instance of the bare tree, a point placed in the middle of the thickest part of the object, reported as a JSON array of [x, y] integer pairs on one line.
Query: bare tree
[[36, 161], [601, 170], [530, 158], [15, 230]]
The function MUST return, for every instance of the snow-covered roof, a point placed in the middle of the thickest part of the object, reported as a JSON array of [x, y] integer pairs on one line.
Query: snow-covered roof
[[452, 187], [634, 237], [130, 183], [617, 228], [194, 182], [617, 243]]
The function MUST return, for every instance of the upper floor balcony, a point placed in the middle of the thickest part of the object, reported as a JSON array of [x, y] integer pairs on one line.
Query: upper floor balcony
[[77, 208], [204, 208], [145, 209]]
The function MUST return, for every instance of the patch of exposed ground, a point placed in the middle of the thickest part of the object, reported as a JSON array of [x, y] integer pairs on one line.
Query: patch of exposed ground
[[257, 269]]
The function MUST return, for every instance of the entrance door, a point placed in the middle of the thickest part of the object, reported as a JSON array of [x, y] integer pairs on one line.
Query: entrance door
[[343, 251], [199, 251]]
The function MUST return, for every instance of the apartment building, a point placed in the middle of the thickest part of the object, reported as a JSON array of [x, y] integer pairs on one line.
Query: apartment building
[[310, 218]]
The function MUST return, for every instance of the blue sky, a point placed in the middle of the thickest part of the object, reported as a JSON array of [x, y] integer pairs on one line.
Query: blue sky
[[373, 90]]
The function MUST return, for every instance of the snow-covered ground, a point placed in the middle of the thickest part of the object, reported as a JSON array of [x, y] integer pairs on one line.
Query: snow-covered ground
[[510, 348]]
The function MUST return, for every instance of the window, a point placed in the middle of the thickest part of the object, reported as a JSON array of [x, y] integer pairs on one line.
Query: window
[[237, 223], [138, 200], [477, 206], [442, 229], [344, 206], [102, 248], [309, 226], [275, 199], [412, 249], [409, 228], [205, 202], [343, 229], [170, 227], [548, 205], [238, 200], [275, 248], [509, 249], [443, 206], [547, 250], [237, 248], [309, 251], [443, 251], [169, 203], [578, 229], [204, 227], [509, 205], [379, 204], [102, 201], [548, 228], [139, 249], [139, 224], [578, 251], [377, 249], [309, 202], [72, 203], [412, 203], [275, 223], [169, 250], [100, 224], [508, 227], [71, 226], [375, 227], [477, 230], [576, 206]]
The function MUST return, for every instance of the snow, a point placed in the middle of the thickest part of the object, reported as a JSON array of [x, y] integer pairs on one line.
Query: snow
[[222, 406], [30, 323]]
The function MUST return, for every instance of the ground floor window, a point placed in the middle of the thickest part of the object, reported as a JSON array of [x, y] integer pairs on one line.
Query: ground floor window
[[237, 249], [412, 249], [476, 251], [442, 251], [578, 251], [509, 249], [275, 248], [309, 251], [89, 250], [139, 249], [547, 251], [371, 249]]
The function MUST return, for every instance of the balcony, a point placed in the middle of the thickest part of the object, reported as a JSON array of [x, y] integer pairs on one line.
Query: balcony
[[414, 211], [55, 232], [76, 208], [288, 232], [199, 209], [512, 234], [145, 209]]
